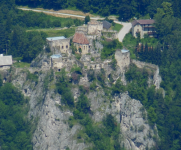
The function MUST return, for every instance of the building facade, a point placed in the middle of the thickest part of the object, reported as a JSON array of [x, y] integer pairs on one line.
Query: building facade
[[56, 62], [59, 44], [81, 42], [143, 27]]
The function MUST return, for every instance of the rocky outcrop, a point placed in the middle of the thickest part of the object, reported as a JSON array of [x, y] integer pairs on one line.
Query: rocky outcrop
[[135, 130], [52, 131], [153, 69], [138, 135]]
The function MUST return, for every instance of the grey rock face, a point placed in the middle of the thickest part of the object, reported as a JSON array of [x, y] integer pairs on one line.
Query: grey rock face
[[136, 133], [134, 125], [52, 131]]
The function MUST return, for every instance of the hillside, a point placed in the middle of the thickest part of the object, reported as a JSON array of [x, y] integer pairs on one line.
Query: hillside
[[111, 98]]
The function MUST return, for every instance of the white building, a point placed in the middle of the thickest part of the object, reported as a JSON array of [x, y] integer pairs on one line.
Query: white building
[[5, 62], [143, 27]]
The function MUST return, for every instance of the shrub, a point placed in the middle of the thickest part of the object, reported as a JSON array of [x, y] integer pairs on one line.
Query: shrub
[[91, 75], [32, 77]]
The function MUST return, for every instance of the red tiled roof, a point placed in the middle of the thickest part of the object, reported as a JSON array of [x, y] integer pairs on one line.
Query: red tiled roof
[[146, 21], [80, 38]]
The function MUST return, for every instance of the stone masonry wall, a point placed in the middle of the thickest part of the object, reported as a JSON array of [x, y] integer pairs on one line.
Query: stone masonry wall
[[123, 59], [95, 28]]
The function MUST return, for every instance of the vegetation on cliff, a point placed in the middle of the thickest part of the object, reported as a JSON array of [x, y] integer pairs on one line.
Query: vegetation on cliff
[[15, 130]]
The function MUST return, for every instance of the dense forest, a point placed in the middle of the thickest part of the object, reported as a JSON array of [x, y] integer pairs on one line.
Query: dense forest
[[165, 112], [15, 130], [126, 9], [14, 39]]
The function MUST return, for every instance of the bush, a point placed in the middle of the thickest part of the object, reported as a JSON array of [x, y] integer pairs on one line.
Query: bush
[[77, 56], [110, 48], [57, 23], [118, 87], [93, 86], [91, 75], [87, 19], [113, 63], [1, 81], [32, 77], [63, 88]]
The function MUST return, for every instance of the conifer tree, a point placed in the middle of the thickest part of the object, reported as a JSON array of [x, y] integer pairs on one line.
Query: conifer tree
[[146, 54]]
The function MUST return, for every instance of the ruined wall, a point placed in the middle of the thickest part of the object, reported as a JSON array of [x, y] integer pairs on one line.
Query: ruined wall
[[59, 46], [5, 67], [110, 34], [82, 29], [84, 47], [152, 68], [123, 59], [95, 27]]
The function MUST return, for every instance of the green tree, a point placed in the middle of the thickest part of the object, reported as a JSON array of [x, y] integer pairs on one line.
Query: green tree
[[87, 19], [1, 81]]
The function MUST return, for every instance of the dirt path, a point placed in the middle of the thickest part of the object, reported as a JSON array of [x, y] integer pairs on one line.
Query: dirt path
[[61, 14]]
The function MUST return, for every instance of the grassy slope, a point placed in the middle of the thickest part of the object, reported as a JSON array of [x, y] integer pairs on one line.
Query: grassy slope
[[57, 32], [21, 65], [130, 43], [117, 27]]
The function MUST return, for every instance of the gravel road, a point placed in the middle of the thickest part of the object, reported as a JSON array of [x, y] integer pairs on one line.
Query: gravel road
[[125, 29]]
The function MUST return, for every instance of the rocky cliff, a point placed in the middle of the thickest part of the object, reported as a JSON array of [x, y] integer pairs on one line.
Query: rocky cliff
[[53, 132]]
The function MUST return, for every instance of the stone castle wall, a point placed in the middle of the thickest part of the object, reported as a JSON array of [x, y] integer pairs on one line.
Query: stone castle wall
[[110, 34], [123, 59], [94, 28], [59, 46]]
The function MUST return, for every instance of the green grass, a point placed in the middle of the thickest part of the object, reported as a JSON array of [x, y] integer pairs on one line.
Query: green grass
[[130, 43], [54, 32], [57, 73], [66, 32], [21, 65], [117, 27]]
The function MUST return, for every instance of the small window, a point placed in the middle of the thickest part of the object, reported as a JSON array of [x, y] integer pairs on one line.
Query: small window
[[67, 46], [62, 47]]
